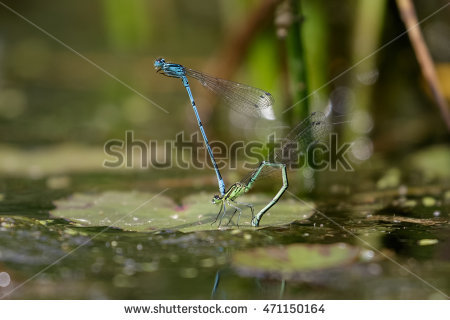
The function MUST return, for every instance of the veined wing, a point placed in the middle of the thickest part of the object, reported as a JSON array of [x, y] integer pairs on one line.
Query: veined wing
[[310, 131], [240, 97]]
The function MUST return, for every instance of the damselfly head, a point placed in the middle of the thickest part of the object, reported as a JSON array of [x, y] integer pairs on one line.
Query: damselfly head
[[216, 199], [159, 63]]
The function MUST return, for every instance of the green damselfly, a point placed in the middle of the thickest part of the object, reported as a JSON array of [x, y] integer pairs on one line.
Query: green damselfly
[[298, 142]]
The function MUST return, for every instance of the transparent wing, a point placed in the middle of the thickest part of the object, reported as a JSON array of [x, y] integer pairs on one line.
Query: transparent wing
[[240, 97], [310, 131]]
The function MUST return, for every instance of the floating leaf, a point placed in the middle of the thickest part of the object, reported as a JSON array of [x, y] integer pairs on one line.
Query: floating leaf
[[288, 261], [136, 211]]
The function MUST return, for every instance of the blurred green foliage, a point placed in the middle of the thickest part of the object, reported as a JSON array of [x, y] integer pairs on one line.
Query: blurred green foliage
[[49, 95]]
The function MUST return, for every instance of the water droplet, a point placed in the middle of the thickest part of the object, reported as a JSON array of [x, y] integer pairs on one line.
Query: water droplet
[[368, 77], [362, 149], [5, 279], [361, 122], [367, 255], [130, 267]]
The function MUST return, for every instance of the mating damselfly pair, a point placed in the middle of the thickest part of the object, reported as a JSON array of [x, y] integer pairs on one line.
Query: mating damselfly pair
[[256, 103]]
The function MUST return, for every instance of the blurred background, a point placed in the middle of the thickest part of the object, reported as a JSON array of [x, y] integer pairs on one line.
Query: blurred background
[[315, 52], [309, 54], [74, 75]]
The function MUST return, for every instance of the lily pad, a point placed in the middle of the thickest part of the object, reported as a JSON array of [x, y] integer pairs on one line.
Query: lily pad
[[137, 211], [288, 261]]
